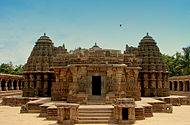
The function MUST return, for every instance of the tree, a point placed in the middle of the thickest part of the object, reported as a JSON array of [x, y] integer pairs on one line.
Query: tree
[[10, 69], [178, 64], [6, 68], [185, 61]]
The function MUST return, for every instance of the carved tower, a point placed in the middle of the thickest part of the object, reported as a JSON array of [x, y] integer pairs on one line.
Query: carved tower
[[36, 70], [153, 76]]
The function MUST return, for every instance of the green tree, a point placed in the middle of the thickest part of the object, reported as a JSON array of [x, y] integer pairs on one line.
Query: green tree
[[178, 64], [10, 69], [185, 61], [18, 69], [6, 68]]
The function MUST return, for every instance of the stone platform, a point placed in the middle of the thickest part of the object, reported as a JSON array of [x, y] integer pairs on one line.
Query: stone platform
[[10, 93], [94, 114]]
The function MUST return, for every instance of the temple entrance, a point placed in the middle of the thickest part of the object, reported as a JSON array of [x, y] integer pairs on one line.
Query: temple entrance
[[96, 85], [124, 113]]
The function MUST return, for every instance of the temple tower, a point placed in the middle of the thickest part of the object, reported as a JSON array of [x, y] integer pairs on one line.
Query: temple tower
[[36, 70], [153, 76]]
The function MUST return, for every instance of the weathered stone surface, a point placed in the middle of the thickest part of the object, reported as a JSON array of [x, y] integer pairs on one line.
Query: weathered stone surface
[[67, 113], [16, 101], [123, 107], [153, 76]]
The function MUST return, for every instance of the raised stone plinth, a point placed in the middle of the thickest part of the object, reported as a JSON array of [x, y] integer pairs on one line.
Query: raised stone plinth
[[43, 109], [124, 111], [139, 113], [67, 113], [16, 100], [52, 112]]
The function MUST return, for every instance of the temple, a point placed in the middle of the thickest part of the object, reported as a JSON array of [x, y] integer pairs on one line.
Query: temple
[[153, 76], [94, 85], [86, 75]]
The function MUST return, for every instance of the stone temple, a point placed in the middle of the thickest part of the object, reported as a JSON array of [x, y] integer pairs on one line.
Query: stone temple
[[94, 85], [87, 75]]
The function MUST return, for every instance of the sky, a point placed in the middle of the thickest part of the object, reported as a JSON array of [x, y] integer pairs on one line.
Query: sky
[[81, 23]]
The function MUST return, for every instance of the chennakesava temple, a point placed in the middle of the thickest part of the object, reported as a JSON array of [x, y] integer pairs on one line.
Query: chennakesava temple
[[95, 85]]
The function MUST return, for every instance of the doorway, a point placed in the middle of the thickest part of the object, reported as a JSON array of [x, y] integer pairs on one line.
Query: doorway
[[96, 85], [125, 113]]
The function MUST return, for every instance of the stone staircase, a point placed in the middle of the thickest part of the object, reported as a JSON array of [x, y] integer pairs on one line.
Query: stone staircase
[[96, 100], [93, 114]]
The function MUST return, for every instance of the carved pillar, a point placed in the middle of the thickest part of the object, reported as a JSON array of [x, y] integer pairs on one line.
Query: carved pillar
[[178, 85], [153, 80], [160, 80], [1, 84], [45, 81], [6, 87], [17, 87], [183, 85], [45, 88], [12, 87], [31, 81], [172, 85], [145, 80], [38, 81], [20, 85]]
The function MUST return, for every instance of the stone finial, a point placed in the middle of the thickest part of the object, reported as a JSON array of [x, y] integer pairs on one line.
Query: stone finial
[[147, 34], [44, 34]]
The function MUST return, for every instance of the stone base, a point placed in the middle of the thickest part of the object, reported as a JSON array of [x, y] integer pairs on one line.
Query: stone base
[[16, 101]]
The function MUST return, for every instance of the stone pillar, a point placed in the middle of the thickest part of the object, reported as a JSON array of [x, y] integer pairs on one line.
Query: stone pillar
[[67, 113], [21, 85], [178, 85], [184, 89], [6, 87], [1, 84], [145, 80], [153, 80], [12, 87], [45, 88], [172, 85], [38, 81], [31, 79], [123, 107], [160, 80], [17, 87]]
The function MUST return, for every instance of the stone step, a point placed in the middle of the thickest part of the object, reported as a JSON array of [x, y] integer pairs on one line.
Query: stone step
[[95, 114], [94, 121], [95, 102], [95, 118], [95, 110], [82, 114]]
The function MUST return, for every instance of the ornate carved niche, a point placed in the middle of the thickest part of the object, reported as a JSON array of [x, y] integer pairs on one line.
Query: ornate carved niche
[[69, 76], [109, 83], [131, 76], [82, 84]]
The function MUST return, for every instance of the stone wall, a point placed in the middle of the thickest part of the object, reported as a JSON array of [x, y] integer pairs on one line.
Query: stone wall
[[74, 83]]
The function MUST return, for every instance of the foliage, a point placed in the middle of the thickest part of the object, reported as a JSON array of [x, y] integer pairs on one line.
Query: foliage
[[8, 68], [178, 64]]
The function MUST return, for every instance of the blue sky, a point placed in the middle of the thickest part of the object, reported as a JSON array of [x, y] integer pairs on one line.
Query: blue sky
[[81, 23]]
